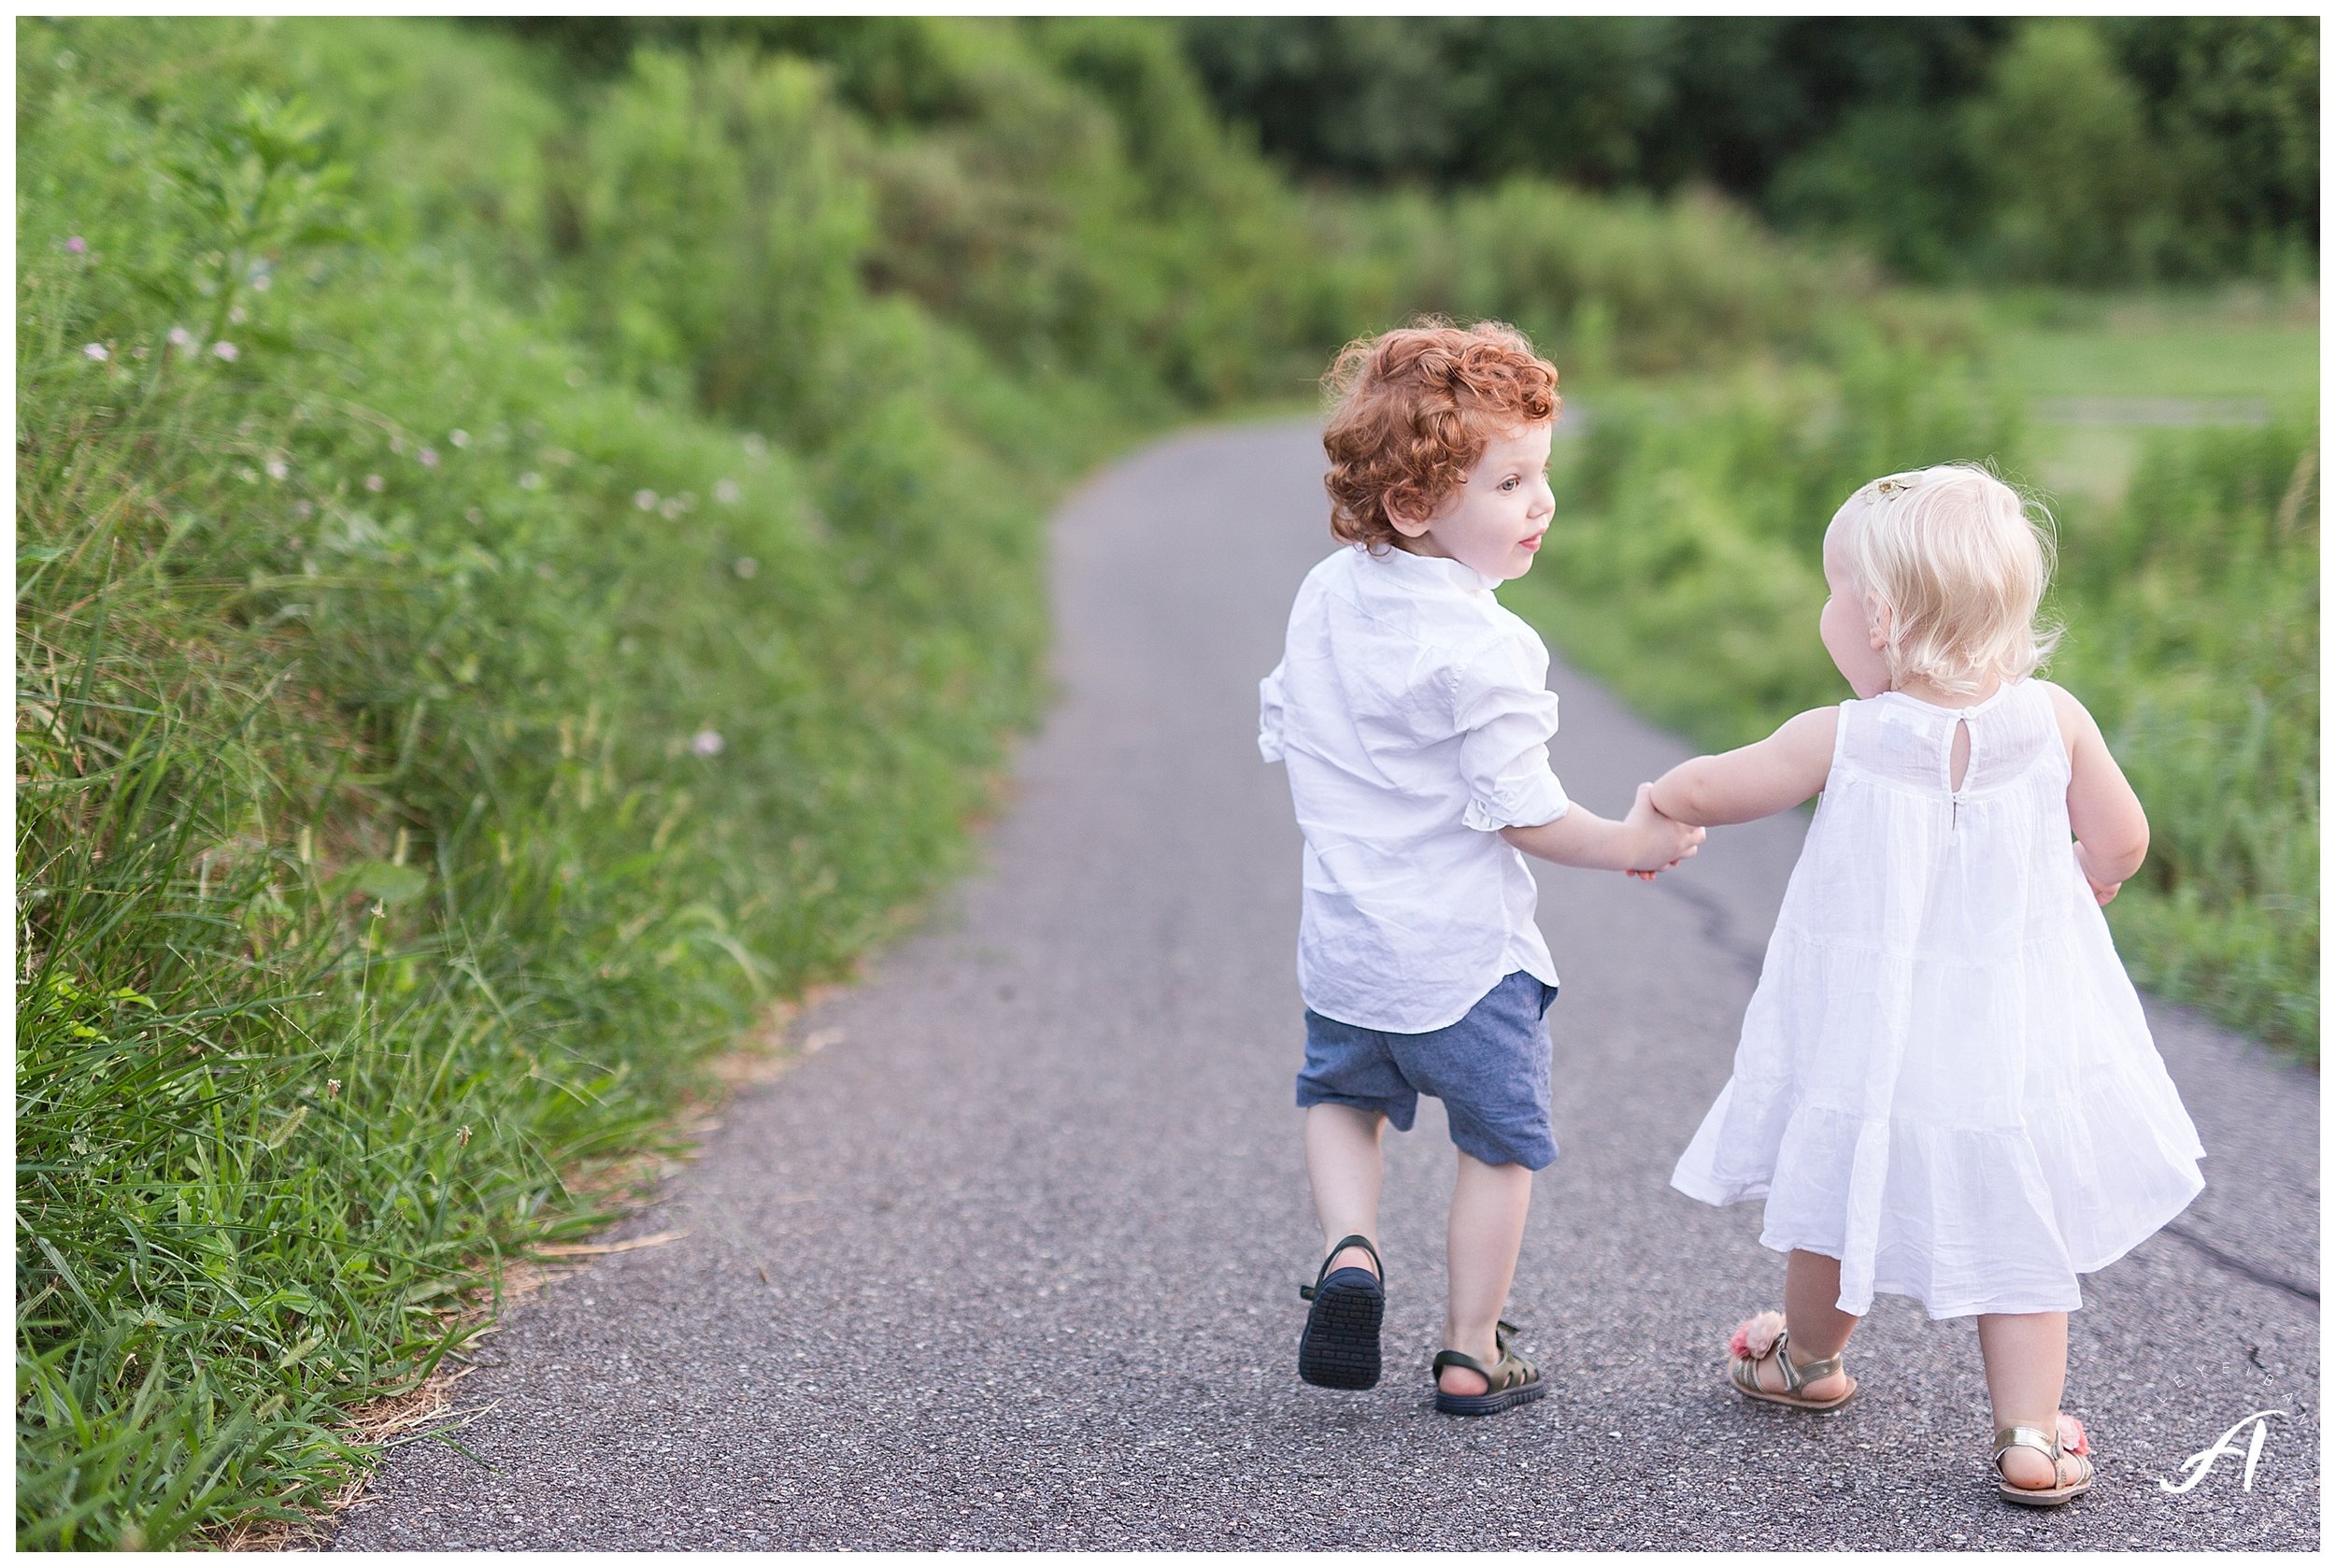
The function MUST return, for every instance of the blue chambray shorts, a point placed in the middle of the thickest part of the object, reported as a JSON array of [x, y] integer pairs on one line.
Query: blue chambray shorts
[[1491, 1069]]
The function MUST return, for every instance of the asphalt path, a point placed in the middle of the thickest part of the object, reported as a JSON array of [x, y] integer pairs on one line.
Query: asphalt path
[[1011, 1261]]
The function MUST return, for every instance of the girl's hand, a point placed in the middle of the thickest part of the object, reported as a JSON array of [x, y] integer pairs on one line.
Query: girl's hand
[[2103, 890], [1664, 843]]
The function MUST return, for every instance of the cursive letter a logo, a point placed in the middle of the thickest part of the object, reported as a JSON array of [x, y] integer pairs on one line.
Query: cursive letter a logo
[[2198, 1464]]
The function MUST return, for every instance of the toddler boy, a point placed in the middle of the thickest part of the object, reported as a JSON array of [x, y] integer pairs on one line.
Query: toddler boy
[[1413, 714]]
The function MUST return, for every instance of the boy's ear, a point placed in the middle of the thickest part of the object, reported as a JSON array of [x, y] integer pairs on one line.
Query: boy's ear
[[1404, 523], [1877, 624]]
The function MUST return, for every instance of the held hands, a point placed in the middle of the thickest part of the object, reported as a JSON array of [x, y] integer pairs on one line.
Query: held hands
[[1663, 843]]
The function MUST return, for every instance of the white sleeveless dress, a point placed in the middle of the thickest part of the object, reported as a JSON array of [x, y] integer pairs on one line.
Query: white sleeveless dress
[[1944, 1079]]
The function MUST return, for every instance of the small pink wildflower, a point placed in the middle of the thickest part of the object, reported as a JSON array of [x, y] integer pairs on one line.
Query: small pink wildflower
[[746, 565], [644, 499], [429, 456], [76, 245], [97, 351], [1756, 1335], [707, 742], [459, 437], [376, 483], [181, 338], [225, 350], [726, 491], [278, 468]]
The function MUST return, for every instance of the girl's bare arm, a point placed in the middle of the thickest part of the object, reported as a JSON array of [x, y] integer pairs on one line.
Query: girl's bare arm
[[1643, 842], [2112, 831], [1756, 781]]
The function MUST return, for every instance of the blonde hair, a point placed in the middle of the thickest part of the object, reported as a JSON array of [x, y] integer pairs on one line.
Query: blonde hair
[[1960, 559]]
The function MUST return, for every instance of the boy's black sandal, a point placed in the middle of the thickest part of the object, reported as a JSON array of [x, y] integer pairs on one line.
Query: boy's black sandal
[[1511, 1380], [1340, 1348]]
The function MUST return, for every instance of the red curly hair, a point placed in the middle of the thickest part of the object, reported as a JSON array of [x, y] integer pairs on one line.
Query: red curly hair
[[1413, 412]]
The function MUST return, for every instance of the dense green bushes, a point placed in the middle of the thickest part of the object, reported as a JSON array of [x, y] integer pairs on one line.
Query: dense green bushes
[[1685, 569], [1604, 284], [2088, 150]]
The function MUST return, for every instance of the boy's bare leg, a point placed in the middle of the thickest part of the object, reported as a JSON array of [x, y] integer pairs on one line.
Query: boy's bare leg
[[1342, 1165], [1481, 1239], [1814, 1327], [2027, 1356]]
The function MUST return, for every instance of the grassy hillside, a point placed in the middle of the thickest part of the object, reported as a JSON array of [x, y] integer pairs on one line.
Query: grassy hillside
[[474, 649]]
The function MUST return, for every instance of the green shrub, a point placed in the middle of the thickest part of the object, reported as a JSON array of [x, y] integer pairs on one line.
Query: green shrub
[[1601, 284], [2076, 188]]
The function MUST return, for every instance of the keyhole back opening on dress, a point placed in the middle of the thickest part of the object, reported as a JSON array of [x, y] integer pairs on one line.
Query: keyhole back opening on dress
[[1958, 755]]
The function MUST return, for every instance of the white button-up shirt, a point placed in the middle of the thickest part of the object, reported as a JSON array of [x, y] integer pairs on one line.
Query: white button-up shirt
[[1413, 715]]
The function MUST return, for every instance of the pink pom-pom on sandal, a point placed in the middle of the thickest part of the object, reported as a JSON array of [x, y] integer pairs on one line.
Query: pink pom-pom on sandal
[[1762, 1336]]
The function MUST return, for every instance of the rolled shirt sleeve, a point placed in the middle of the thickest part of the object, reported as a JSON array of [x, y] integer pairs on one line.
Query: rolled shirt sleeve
[[1507, 713], [1270, 703]]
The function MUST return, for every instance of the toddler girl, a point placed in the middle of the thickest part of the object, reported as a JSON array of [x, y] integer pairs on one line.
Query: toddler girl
[[1945, 1088]]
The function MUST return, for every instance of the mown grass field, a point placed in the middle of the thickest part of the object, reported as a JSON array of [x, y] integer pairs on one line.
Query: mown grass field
[[2229, 354], [2219, 344]]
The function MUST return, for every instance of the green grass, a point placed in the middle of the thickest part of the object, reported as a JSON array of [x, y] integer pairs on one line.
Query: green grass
[[436, 733], [2146, 354], [2230, 351], [2236, 354]]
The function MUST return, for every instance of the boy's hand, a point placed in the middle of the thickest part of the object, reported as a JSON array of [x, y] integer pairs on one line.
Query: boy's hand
[[1660, 843]]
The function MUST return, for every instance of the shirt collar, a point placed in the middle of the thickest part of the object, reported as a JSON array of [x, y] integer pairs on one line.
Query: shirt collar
[[1429, 572]]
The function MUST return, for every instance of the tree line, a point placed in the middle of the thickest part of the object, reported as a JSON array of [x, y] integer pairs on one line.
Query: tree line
[[2087, 152], [2074, 150]]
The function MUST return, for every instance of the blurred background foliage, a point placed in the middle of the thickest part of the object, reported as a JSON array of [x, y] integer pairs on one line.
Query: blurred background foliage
[[529, 545], [2071, 149]]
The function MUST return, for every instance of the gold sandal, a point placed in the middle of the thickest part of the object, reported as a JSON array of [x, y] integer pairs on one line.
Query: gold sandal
[[1762, 1336], [2053, 1448]]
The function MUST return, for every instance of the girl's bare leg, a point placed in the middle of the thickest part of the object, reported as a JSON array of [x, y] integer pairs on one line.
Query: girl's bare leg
[[1814, 1327], [1342, 1164], [2027, 1356], [1481, 1239]]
